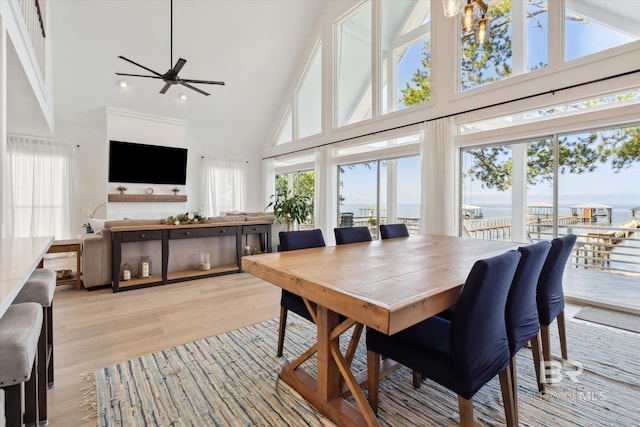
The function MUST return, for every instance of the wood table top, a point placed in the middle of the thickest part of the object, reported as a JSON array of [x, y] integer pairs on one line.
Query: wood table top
[[19, 257], [388, 285]]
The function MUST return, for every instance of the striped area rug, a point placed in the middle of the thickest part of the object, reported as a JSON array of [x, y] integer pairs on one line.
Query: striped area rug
[[232, 380]]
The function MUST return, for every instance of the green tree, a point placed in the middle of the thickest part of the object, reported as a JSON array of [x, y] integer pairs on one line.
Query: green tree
[[484, 64]]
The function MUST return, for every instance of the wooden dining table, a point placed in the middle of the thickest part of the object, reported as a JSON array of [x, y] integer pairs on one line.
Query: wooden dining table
[[19, 257], [388, 285]]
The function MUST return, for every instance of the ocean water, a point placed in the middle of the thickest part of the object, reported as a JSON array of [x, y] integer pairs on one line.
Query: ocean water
[[618, 215]]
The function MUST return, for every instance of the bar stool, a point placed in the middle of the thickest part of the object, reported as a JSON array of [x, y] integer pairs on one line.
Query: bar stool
[[21, 338], [40, 288]]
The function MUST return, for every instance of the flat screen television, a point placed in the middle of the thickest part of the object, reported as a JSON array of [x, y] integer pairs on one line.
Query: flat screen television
[[147, 164]]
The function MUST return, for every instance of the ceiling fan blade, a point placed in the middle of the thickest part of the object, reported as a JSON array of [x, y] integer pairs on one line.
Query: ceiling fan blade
[[138, 75], [165, 88], [208, 82], [193, 87], [179, 64], [141, 66]]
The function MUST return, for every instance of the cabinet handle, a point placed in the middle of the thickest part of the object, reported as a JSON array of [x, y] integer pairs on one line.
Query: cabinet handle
[[222, 231], [186, 233], [142, 235]]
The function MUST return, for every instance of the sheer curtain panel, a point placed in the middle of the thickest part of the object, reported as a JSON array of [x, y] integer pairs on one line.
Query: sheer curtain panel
[[225, 185], [437, 154], [40, 187]]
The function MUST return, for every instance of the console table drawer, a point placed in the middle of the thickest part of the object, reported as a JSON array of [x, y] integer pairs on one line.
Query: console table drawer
[[248, 229], [137, 236], [187, 233]]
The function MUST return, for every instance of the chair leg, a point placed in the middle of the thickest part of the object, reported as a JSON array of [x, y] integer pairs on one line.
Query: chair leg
[[537, 356], [373, 379], [13, 408], [546, 351], [465, 406], [506, 386], [563, 335], [281, 330], [49, 320], [43, 371], [31, 395], [514, 385], [417, 379]]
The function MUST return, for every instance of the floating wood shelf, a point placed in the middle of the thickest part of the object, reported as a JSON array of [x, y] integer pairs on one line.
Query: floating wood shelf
[[116, 198]]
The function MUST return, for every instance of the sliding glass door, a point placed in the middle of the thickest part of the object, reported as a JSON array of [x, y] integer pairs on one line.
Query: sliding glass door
[[583, 183], [380, 192]]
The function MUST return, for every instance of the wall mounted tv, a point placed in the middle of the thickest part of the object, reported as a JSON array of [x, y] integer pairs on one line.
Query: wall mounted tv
[[147, 164]]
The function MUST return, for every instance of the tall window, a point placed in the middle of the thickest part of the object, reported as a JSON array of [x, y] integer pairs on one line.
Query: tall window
[[595, 26], [590, 193], [380, 192], [486, 191], [353, 59], [405, 53], [40, 186], [310, 98], [285, 133], [298, 182], [517, 44], [225, 186]]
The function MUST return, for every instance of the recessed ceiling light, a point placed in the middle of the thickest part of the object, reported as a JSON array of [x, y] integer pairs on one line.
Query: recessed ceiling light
[[183, 97], [122, 83]]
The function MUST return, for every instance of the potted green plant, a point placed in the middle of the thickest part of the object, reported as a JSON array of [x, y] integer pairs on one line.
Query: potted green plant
[[291, 208], [175, 190], [121, 189]]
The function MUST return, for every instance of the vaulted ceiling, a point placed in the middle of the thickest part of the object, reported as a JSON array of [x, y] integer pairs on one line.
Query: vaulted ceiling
[[254, 46]]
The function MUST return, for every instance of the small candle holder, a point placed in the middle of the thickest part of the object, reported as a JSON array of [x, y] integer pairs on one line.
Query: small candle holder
[[125, 272], [205, 262], [144, 267]]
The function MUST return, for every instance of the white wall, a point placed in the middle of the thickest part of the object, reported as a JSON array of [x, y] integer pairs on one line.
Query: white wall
[[141, 128], [92, 186]]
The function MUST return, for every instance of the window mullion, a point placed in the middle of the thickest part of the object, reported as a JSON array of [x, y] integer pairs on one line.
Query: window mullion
[[376, 63]]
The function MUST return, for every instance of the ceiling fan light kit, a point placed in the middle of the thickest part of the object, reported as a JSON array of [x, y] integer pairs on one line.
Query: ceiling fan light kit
[[171, 77]]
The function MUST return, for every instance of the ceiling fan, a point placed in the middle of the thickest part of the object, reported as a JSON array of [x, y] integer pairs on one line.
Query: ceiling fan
[[171, 77]]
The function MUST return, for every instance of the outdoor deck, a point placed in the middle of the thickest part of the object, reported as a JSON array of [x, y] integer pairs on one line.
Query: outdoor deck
[[604, 273], [601, 289]]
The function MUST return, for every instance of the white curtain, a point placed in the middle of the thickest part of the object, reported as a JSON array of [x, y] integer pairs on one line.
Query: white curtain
[[326, 203], [39, 187], [225, 185], [437, 155]]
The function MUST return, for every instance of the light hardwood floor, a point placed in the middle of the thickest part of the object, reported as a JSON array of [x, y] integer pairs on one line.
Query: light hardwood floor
[[93, 329]]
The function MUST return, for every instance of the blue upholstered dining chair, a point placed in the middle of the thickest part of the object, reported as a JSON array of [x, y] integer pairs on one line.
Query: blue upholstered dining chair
[[391, 231], [550, 296], [521, 313], [346, 235], [290, 241], [462, 354]]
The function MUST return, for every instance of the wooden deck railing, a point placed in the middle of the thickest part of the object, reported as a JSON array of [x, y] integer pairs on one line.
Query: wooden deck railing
[[598, 246]]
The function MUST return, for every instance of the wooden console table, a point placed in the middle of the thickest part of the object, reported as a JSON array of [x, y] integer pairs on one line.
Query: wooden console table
[[69, 245], [163, 233]]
